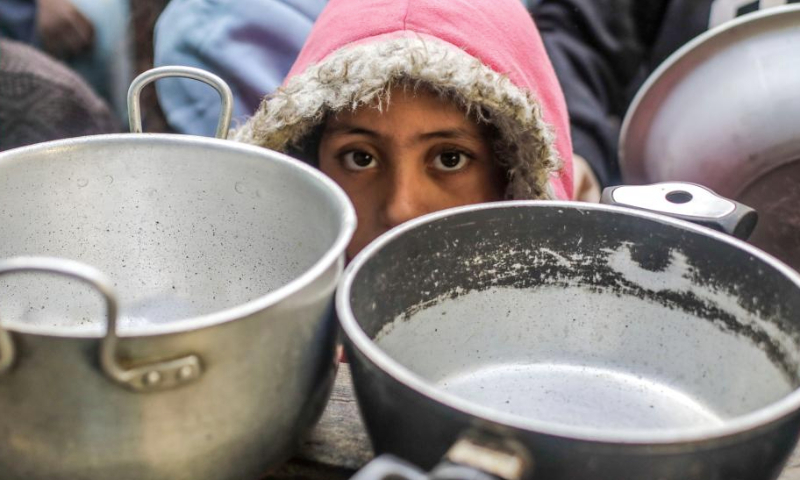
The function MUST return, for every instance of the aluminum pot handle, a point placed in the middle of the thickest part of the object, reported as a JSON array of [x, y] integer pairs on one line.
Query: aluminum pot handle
[[686, 201], [7, 350], [225, 95], [144, 378]]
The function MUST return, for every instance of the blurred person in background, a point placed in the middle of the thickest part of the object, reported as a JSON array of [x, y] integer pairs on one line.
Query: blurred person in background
[[18, 20], [604, 50], [90, 36], [62, 30], [41, 99], [56, 26], [251, 44]]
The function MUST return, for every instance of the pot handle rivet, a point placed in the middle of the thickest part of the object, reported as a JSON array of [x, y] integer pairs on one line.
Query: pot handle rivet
[[225, 95], [152, 378], [186, 372], [155, 376]]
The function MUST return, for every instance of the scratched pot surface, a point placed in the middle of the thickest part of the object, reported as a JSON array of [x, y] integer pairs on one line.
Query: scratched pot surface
[[183, 227], [584, 318], [575, 357]]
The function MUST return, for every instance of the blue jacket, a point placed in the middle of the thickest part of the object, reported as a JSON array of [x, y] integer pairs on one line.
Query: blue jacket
[[251, 44], [18, 20]]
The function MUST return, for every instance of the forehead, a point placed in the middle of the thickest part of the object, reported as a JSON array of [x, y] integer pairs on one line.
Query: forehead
[[408, 108]]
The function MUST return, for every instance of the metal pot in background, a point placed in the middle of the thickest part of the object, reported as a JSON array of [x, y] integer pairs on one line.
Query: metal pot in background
[[564, 340], [724, 112], [217, 350]]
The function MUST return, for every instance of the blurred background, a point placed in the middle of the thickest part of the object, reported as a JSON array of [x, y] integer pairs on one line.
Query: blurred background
[[66, 66]]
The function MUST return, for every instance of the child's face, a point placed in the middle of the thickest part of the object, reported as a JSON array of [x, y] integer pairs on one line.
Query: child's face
[[419, 155]]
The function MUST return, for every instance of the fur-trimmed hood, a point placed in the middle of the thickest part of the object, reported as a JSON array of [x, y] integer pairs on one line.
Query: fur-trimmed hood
[[485, 54]]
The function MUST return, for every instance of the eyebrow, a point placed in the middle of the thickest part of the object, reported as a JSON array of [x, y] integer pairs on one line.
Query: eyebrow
[[347, 129], [448, 133]]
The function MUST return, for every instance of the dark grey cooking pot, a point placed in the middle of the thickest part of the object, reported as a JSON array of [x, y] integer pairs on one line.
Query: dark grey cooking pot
[[567, 341], [210, 348]]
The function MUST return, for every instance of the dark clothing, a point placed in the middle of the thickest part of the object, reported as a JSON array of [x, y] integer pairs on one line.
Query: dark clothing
[[603, 50], [41, 99], [18, 19]]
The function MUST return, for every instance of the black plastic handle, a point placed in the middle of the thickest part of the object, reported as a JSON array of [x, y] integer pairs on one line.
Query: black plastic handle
[[686, 201], [389, 467]]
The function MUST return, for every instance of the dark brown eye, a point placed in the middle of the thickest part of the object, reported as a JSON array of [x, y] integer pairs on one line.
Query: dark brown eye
[[358, 160], [450, 160]]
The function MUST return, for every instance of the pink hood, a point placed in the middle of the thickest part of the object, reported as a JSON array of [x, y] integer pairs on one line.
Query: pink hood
[[521, 93]]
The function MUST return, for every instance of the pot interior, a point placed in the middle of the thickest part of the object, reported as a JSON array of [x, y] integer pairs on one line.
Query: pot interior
[[582, 316], [775, 196], [183, 226]]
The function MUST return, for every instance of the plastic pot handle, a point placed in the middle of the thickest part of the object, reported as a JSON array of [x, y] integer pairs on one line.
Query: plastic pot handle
[[225, 95], [389, 467], [686, 201], [470, 458], [144, 378]]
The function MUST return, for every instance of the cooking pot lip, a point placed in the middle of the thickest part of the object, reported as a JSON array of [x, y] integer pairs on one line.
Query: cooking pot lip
[[333, 254], [391, 367], [708, 39]]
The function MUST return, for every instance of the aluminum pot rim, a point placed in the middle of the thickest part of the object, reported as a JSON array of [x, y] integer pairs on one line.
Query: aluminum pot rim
[[705, 40], [356, 335], [333, 254]]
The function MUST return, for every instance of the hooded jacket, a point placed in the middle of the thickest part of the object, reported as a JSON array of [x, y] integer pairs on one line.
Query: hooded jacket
[[486, 55]]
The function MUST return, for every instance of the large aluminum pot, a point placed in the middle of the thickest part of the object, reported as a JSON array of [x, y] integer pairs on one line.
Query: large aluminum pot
[[565, 341], [218, 348], [724, 111]]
